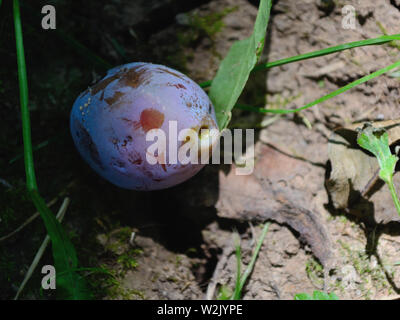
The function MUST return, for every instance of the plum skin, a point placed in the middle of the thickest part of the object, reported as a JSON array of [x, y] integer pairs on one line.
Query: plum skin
[[109, 122]]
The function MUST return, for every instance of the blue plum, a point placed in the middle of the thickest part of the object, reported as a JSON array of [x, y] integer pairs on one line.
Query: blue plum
[[110, 122]]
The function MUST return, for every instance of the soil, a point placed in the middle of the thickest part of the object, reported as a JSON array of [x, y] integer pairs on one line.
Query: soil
[[179, 243]]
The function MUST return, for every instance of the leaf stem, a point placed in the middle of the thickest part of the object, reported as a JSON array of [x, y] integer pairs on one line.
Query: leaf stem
[[394, 194]]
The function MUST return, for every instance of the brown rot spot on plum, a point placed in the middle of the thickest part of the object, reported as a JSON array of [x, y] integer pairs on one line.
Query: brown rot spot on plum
[[176, 85], [136, 162], [87, 143], [133, 77], [115, 142], [151, 119], [129, 121], [135, 158], [162, 70], [114, 98], [128, 139], [136, 125], [102, 84], [189, 104]]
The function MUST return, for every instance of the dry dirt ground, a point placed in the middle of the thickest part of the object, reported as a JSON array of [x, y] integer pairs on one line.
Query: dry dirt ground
[[178, 243], [362, 254]]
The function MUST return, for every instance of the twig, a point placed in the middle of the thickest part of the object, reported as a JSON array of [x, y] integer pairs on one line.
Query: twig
[[28, 221], [212, 285], [39, 254]]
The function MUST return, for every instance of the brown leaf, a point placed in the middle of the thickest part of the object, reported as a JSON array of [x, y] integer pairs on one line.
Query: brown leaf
[[353, 181]]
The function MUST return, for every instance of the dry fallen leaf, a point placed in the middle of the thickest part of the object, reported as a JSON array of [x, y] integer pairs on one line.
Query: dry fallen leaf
[[353, 182]]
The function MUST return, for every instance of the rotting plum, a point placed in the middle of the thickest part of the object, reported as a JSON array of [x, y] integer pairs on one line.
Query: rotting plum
[[109, 122]]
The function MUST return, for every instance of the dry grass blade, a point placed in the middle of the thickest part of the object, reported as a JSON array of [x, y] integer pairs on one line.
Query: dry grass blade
[[39, 254]]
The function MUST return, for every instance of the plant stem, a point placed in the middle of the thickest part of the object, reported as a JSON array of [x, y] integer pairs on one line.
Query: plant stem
[[394, 194]]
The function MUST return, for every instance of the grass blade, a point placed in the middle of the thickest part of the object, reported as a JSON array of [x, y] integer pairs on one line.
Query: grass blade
[[250, 267], [326, 97], [330, 50], [69, 286], [320, 53], [23, 91], [241, 279], [40, 252], [234, 70], [237, 292]]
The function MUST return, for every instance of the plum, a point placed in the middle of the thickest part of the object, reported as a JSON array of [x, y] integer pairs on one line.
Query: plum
[[111, 120]]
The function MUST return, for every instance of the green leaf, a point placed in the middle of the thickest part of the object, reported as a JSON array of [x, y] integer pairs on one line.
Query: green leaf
[[224, 293], [376, 141], [302, 296], [234, 70], [317, 295], [333, 296]]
